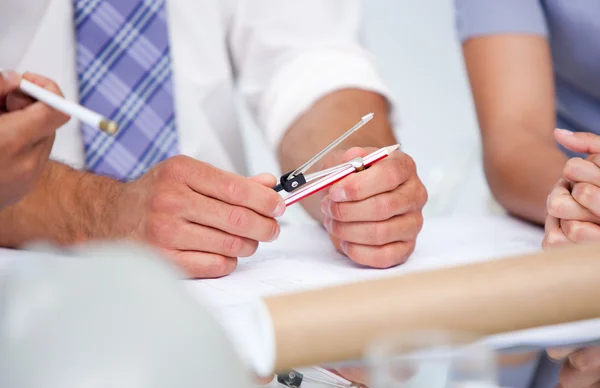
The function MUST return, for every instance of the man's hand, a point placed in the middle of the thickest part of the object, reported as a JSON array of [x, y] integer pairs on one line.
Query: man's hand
[[201, 217], [374, 216], [581, 367], [573, 207], [27, 130]]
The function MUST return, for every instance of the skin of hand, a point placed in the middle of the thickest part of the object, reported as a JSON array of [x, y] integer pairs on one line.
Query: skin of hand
[[199, 216], [27, 130], [581, 367], [374, 216], [573, 206]]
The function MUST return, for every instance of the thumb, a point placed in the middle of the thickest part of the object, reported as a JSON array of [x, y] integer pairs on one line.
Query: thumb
[[265, 179], [9, 82], [581, 142], [354, 152]]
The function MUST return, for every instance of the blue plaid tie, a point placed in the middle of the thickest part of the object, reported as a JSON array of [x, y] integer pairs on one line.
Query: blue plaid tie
[[123, 66]]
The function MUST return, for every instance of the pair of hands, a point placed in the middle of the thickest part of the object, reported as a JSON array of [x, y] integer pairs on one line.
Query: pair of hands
[[204, 218], [27, 130], [573, 215], [573, 207]]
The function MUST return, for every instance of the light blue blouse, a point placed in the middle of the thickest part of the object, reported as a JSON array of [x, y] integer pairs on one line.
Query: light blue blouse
[[573, 30]]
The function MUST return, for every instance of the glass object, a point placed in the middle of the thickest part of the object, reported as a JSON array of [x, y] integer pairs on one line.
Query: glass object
[[430, 359]]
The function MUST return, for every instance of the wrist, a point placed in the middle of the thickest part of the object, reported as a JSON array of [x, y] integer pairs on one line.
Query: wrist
[[99, 199]]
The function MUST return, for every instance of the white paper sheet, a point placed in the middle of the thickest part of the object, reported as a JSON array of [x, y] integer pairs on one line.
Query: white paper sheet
[[304, 258]]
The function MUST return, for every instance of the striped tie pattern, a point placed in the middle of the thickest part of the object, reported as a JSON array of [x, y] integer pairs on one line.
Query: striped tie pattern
[[124, 73]]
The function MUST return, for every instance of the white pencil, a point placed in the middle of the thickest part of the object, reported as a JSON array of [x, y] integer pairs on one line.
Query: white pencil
[[72, 109]]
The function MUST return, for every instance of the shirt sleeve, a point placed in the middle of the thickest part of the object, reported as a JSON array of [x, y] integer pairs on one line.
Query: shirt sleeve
[[289, 54], [488, 17]]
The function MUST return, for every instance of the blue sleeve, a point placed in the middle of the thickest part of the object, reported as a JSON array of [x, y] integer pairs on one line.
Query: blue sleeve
[[488, 17]]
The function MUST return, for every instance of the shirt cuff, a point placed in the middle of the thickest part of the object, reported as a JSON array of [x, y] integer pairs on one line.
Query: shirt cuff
[[309, 77], [487, 17]]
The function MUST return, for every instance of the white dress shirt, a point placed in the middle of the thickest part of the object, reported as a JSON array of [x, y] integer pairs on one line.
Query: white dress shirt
[[280, 56]]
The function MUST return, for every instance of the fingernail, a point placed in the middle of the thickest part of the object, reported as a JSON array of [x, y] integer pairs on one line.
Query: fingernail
[[327, 223], [279, 210], [276, 236], [338, 194], [325, 204], [10, 76], [564, 131], [344, 246]]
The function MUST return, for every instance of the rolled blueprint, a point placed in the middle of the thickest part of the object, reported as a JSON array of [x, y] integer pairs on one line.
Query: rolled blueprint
[[337, 323]]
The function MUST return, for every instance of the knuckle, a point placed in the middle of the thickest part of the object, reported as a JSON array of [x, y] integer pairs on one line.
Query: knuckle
[[381, 233], [573, 230], [584, 193], [554, 239], [234, 190], [339, 211], [352, 189], [385, 205], [418, 221], [571, 167], [554, 205], [238, 218], [423, 195], [232, 245], [29, 166], [164, 202], [409, 162]]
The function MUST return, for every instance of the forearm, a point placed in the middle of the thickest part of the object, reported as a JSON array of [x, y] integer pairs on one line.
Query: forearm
[[67, 206], [329, 118], [522, 178]]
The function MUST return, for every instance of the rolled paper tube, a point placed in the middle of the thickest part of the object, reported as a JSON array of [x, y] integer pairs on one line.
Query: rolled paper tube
[[337, 323]]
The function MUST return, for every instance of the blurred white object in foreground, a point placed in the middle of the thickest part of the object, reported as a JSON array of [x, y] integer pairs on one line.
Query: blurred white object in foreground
[[108, 316]]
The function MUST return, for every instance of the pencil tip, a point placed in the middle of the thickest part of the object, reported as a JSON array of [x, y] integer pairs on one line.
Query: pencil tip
[[367, 117], [392, 148]]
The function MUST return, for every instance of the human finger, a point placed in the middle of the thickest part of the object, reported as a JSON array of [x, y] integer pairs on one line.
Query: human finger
[[405, 227], [571, 377], [383, 256], [382, 177], [580, 232], [265, 179], [236, 220], [176, 234], [235, 190], [553, 236], [17, 101], [586, 359], [587, 195], [559, 354], [9, 82], [202, 265], [378, 207], [580, 170], [580, 142], [37, 120], [561, 204]]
